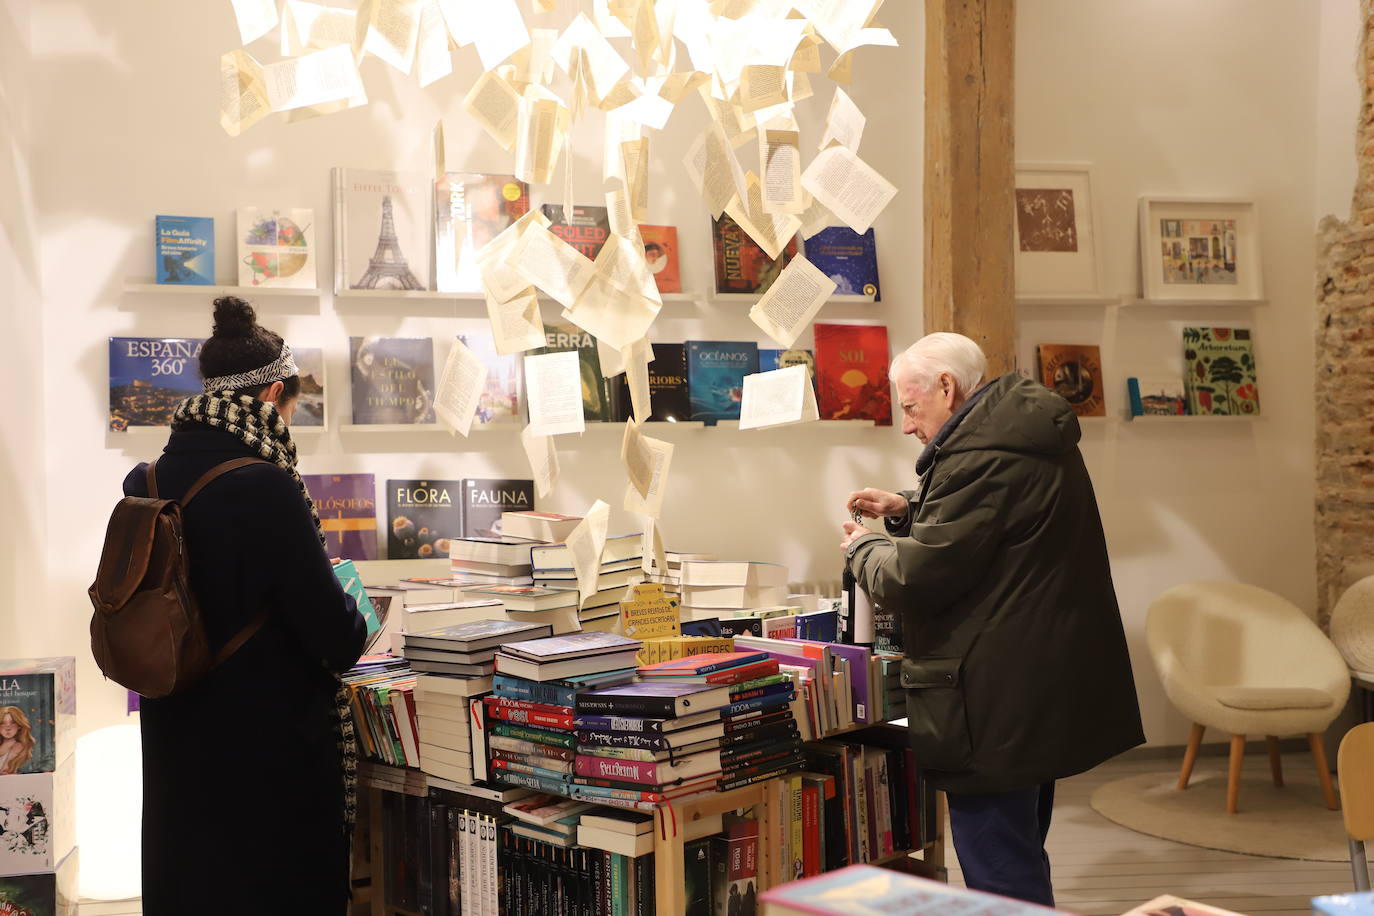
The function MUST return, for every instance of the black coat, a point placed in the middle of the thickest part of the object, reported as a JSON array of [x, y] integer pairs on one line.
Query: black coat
[[1017, 671], [242, 777]]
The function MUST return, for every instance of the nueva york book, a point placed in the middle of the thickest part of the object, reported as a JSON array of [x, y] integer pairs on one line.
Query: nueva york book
[[347, 505], [847, 258], [741, 265], [149, 376], [715, 377], [393, 379], [1219, 372], [422, 516], [185, 250], [471, 209], [851, 373]]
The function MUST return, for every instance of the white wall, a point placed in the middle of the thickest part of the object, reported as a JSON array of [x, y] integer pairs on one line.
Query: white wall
[[1207, 99], [1338, 105]]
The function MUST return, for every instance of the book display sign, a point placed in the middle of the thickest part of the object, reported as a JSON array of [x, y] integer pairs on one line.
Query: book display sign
[[149, 377]]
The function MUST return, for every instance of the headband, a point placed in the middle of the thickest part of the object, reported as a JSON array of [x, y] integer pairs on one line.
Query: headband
[[281, 368]]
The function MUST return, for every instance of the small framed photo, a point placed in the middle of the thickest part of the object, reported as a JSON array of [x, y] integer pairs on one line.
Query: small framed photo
[[1056, 241], [1194, 248]]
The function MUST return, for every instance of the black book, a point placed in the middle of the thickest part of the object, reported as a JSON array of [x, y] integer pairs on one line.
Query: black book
[[782, 730], [562, 336], [586, 228], [759, 752], [653, 701], [741, 626], [422, 864], [696, 862], [421, 517], [751, 776], [668, 400], [601, 879], [455, 861], [645, 900], [485, 499]]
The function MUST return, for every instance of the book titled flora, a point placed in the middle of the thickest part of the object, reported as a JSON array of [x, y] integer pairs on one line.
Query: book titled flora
[[847, 258], [149, 376], [37, 714], [851, 373], [347, 505], [500, 399], [393, 379], [586, 228], [310, 404], [741, 265], [484, 501], [471, 209], [381, 230], [1219, 372], [185, 250], [1074, 372], [276, 248], [422, 516], [715, 377], [660, 253]]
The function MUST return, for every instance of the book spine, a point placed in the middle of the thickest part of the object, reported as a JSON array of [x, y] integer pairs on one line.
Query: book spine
[[554, 783], [625, 706], [781, 730], [596, 793], [507, 768], [454, 881], [535, 766], [750, 693], [531, 748], [1133, 392], [530, 717], [795, 834], [606, 887], [508, 703], [517, 688], [618, 723], [627, 770], [755, 704], [749, 778], [433, 899], [748, 755], [645, 898], [622, 739], [811, 831], [884, 804], [506, 859], [534, 733]]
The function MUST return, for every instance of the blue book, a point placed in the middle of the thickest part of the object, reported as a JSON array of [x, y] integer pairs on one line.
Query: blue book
[[352, 583], [709, 626], [818, 626], [715, 377], [185, 250], [561, 692], [758, 704], [149, 377], [782, 359], [849, 259]]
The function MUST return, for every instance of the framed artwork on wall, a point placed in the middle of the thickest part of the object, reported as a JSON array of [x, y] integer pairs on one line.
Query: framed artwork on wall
[[1056, 240], [1200, 249]]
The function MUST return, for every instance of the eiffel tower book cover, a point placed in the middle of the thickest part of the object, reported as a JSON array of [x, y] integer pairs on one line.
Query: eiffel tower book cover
[[185, 248], [382, 230], [393, 379]]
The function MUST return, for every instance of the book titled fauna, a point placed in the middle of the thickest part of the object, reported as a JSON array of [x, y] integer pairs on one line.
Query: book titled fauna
[[37, 714], [149, 376], [393, 379], [851, 373], [1219, 372], [1074, 372], [347, 505], [185, 250], [715, 377], [485, 500], [382, 229], [421, 517], [741, 265], [276, 248], [471, 209]]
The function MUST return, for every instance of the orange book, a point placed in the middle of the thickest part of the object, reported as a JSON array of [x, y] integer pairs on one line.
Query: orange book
[[1074, 372], [660, 251]]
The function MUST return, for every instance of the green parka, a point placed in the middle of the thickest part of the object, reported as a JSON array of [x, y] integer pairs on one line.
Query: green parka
[[1016, 668]]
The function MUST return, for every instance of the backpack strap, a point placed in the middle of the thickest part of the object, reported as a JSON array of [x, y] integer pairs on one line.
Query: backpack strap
[[152, 479], [212, 474], [241, 637]]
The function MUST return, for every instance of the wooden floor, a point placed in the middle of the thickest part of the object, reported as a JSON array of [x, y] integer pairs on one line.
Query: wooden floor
[[1102, 869]]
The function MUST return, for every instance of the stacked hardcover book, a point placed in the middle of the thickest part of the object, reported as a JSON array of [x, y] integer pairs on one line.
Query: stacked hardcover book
[[725, 589], [490, 560], [620, 567]]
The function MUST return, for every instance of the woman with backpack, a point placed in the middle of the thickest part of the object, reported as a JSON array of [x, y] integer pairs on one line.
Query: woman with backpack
[[226, 828]]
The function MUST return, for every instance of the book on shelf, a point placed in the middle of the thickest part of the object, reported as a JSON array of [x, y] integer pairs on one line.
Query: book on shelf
[[485, 500], [276, 248], [347, 506], [38, 698], [715, 377], [848, 258], [1074, 372], [1157, 396], [184, 249], [382, 226], [770, 359], [851, 370], [742, 266], [1219, 372], [585, 228], [45, 893], [471, 209], [149, 377], [563, 336], [423, 516], [311, 403], [548, 527], [661, 254], [499, 402], [735, 860], [392, 380]]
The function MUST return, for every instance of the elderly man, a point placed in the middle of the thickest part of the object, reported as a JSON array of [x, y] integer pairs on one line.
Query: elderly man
[[1016, 670]]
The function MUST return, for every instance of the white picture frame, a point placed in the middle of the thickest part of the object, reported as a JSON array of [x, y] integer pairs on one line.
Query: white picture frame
[[1056, 240], [1213, 252]]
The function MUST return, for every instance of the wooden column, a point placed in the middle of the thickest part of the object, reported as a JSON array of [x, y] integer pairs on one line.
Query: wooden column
[[970, 174]]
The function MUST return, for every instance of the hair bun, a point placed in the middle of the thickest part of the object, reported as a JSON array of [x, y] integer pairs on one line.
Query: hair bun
[[234, 317]]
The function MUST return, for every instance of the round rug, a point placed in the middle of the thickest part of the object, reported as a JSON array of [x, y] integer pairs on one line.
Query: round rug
[[1288, 823]]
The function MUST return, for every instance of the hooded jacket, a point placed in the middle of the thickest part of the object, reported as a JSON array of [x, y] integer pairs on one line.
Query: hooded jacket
[[1016, 669]]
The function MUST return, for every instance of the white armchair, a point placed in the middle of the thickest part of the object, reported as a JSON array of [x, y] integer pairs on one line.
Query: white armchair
[[1248, 662]]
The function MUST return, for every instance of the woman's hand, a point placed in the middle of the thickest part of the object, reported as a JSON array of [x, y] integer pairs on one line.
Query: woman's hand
[[876, 503]]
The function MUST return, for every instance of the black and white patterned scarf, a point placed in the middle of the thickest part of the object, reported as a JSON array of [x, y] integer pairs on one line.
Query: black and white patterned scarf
[[258, 425]]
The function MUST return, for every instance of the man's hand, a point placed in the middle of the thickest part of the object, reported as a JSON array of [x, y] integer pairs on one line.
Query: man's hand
[[876, 503], [852, 532]]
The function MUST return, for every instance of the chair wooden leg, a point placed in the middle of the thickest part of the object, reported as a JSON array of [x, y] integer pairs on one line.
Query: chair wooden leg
[[1233, 774], [1314, 741], [1359, 866], [1275, 763], [1190, 754]]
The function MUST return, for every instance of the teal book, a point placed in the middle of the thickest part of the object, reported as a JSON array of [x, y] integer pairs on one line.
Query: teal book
[[353, 584], [185, 250], [715, 377]]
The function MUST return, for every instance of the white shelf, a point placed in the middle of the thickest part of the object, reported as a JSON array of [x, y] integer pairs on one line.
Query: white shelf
[[1191, 303], [405, 294], [755, 297], [1084, 299], [423, 428], [1194, 418], [142, 285]]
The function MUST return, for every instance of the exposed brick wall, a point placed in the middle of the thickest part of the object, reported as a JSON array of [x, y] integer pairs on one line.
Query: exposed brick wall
[[1345, 366]]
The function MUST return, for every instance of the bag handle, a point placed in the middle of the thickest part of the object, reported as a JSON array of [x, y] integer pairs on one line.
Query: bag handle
[[241, 637]]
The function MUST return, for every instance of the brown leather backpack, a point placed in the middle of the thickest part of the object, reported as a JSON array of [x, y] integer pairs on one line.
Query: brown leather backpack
[[146, 632]]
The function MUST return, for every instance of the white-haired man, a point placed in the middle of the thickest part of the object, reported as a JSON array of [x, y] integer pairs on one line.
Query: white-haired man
[[1016, 670]]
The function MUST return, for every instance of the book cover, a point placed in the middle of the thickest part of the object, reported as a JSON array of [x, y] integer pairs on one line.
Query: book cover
[[276, 248], [586, 229], [149, 377], [771, 359], [660, 253], [421, 517], [668, 397], [310, 403], [715, 377], [500, 399], [37, 819], [741, 265], [1074, 372], [382, 228], [185, 250], [51, 893], [37, 714], [471, 209], [847, 258], [393, 379], [1219, 372], [347, 506], [562, 336], [352, 583], [485, 499], [696, 864], [573, 645], [851, 372], [694, 665], [652, 700], [1157, 396]]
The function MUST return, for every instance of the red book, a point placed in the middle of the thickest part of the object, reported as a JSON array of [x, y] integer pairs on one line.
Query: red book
[[737, 675], [529, 716], [811, 831], [703, 663], [510, 703], [660, 253], [851, 373]]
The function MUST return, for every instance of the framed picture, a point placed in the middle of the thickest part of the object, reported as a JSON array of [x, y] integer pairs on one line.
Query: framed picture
[[1056, 241], [1199, 249]]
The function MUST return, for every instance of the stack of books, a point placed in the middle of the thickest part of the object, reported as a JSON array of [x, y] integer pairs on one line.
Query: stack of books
[[544, 527], [620, 567], [543, 877], [490, 561], [724, 588], [532, 742], [548, 818], [705, 723], [381, 691], [556, 607], [842, 685], [670, 648]]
